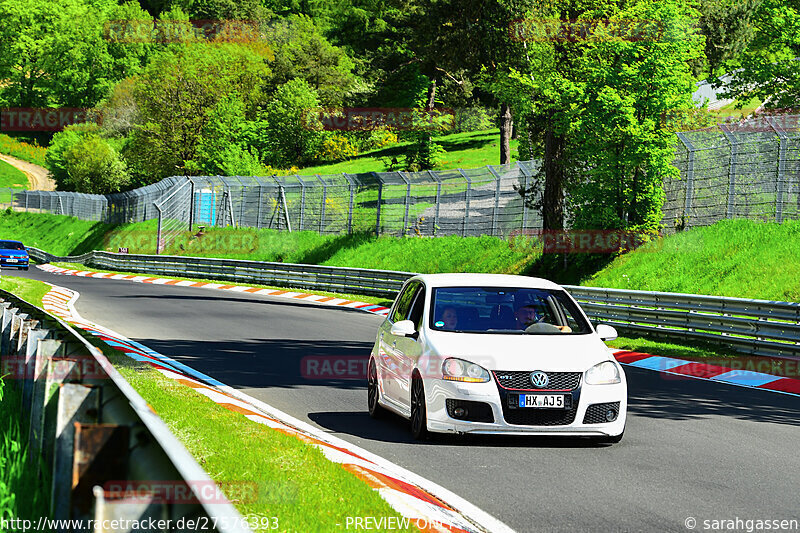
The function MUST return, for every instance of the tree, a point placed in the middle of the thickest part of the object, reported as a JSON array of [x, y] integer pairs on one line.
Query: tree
[[621, 138], [770, 70], [288, 135], [175, 97], [301, 51], [54, 53], [81, 160], [727, 26]]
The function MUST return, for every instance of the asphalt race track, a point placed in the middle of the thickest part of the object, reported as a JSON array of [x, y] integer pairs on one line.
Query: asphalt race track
[[692, 448]]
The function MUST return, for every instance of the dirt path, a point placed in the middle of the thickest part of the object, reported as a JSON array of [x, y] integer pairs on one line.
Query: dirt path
[[38, 177]]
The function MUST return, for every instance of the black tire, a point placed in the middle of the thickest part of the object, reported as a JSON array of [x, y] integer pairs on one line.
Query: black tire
[[419, 415], [375, 409], [24, 268]]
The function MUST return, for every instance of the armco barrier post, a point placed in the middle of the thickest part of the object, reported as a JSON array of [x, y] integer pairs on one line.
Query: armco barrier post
[[378, 207]]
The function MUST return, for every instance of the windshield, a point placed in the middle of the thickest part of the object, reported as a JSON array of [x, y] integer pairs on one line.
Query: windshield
[[11, 245], [506, 310]]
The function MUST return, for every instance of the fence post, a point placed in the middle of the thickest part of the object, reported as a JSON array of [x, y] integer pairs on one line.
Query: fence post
[[260, 201], [783, 141], [496, 210], [438, 200], [466, 207], [380, 198], [191, 204], [158, 234], [525, 192], [687, 206], [302, 202], [352, 186], [731, 170], [322, 209], [408, 196]]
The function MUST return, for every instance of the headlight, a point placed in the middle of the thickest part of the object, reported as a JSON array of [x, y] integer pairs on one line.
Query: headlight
[[460, 370], [605, 373]]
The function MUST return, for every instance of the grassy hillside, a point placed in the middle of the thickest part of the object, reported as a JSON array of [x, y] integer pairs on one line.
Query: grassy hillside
[[464, 150], [69, 236], [12, 177], [731, 258], [32, 153]]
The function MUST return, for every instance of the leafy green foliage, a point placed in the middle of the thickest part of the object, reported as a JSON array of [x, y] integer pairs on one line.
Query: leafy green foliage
[[82, 160], [287, 133], [728, 29], [769, 67], [176, 97]]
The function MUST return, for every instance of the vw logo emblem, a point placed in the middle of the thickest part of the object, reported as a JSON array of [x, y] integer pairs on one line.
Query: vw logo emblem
[[539, 379]]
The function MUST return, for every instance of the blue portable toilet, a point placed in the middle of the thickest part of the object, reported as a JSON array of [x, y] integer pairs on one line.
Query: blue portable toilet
[[205, 207]]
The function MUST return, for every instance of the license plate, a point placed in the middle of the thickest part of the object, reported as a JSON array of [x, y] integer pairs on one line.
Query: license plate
[[543, 401], [11, 260]]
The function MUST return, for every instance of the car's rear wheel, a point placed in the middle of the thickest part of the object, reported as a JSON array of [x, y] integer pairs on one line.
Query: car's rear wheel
[[375, 409], [419, 415]]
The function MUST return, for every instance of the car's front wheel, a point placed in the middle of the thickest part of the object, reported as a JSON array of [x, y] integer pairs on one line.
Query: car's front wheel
[[419, 415], [375, 409]]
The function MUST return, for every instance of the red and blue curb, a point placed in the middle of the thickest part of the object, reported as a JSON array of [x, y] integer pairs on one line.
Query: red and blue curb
[[716, 373]]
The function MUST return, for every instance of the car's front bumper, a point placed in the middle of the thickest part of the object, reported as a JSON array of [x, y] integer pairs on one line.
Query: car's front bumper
[[14, 261], [438, 391]]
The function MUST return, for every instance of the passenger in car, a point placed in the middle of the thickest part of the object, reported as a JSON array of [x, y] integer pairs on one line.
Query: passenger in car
[[449, 317]]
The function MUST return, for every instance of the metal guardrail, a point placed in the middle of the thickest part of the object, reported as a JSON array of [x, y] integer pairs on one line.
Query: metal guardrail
[[327, 278], [89, 428], [757, 327]]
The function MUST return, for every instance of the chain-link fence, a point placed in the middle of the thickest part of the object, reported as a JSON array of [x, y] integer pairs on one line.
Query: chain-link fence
[[743, 170], [747, 170]]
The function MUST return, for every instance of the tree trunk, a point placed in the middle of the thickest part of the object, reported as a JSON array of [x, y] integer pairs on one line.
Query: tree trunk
[[553, 201], [431, 95], [506, 125]]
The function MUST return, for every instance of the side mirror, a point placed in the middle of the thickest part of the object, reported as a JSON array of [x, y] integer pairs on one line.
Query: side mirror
[[404, 328], [606, 332]]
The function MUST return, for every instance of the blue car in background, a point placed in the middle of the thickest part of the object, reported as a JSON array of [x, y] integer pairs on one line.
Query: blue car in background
[[13, 254]]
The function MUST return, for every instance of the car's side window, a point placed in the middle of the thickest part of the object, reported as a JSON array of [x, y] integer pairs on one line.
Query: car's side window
[[404, 302], [417, 308]]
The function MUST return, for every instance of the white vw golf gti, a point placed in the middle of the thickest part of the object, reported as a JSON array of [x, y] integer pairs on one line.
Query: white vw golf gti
[[487, 353]]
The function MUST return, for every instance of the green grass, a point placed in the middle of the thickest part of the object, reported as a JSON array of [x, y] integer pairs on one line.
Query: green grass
[[738, 258], [295, 482], [29, 290], [58, 234], [464, 150], [22, 494], [31, 153], [11, 177]]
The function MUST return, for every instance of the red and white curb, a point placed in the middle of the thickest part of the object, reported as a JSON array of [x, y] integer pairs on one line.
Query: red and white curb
[[425, 505], [305, 296], [740, 377]]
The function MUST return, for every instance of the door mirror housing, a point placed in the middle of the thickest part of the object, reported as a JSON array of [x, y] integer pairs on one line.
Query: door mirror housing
[[606, 332], [404, 328]]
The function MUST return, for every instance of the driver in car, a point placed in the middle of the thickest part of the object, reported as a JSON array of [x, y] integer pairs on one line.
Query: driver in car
[[529, 319]]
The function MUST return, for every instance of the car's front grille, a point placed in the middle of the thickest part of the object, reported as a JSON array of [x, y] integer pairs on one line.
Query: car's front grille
[[473, 411], [540, 417], [596, 413], [516, 380]]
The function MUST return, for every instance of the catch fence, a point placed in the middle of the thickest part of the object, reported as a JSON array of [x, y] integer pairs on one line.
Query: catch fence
[[750, 169]]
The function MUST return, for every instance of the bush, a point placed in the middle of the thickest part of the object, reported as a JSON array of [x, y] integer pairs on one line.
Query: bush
[[336, 147], [81, 160]]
